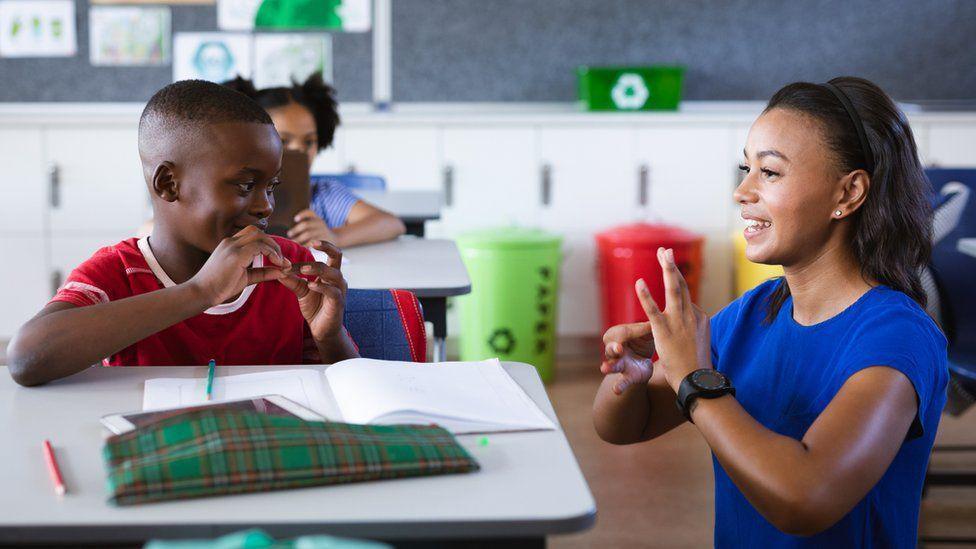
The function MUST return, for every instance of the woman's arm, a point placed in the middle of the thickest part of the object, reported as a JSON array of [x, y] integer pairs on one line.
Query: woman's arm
[[642, 411], [366, 224], [805, 486]]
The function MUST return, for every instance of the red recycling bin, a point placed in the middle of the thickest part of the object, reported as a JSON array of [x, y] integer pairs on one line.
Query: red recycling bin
[[629, 252]]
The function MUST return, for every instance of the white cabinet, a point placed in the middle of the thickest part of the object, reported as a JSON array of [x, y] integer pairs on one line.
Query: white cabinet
[[67, 252], [952, 145], [407, 156], [25, 284], [100, 186], [491, 177], [24, 181], [593, 178]]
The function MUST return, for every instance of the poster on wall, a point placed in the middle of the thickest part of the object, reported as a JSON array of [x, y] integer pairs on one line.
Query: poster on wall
[[213, 56], [331, 15], [129, 36], [281, 58], [32, 28]]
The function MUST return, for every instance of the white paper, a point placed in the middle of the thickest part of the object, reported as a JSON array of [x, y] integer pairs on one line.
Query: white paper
[[280, 59], [31, 28], [460, 396], [129, 36], [213, 56], [236, 15], [306, 387]]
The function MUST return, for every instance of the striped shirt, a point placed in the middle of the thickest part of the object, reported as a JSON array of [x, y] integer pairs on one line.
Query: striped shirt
[[332, 201]]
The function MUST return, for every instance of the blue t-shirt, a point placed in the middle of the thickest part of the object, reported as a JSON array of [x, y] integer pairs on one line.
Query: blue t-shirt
[[785, 374], [332, 201]]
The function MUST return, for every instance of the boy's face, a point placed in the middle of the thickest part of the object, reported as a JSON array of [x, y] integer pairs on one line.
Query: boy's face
[[225, 182]]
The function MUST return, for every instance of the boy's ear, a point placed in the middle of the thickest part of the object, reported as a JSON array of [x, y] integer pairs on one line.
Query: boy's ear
[[164, 182]]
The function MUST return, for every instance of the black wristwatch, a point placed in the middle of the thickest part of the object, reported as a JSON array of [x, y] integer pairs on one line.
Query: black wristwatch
[[704, 383]]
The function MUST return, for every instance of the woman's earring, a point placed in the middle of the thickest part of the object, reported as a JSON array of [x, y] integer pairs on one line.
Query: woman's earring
[[838, 213]]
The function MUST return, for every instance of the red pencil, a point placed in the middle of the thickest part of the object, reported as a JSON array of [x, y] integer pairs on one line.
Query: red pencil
[[52, 468]]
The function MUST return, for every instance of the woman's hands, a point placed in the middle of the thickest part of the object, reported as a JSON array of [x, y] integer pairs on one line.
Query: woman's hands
[[681, 331], [628, 352]]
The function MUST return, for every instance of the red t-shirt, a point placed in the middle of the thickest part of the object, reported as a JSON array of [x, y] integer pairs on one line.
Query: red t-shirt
[[262, 326]]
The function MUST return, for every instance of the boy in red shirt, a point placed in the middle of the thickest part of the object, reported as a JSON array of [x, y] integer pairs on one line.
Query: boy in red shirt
[[208, 283]]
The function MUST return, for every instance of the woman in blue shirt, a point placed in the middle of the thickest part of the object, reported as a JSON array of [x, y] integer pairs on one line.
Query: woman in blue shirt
[[306, 118], [819, 393]]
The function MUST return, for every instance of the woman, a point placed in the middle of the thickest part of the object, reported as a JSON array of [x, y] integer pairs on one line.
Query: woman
[[306, 119], [820, 392]]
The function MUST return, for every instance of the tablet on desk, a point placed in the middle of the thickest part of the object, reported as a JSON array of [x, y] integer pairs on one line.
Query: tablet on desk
[[293, 194], [274, 405]]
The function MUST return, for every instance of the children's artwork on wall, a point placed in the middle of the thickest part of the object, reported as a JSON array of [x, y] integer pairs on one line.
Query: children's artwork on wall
[[332, 15], [31, 28], [236, 15], [281, 58], [129, 36], [213, 56]]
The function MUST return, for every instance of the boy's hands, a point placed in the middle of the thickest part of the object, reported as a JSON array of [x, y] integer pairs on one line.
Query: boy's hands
[[628, 352], [322, 300], [228, 270]]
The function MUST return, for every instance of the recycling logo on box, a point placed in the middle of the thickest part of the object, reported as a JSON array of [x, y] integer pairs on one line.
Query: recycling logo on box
[[630, 92]]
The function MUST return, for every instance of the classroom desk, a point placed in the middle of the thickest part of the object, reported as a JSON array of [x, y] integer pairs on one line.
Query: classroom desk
[[414, 208], [430, 268], [967, 246], [529, 485]]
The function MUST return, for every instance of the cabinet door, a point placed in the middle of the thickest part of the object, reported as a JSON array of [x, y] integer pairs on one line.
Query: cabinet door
[[24, 181], [490, 178], [592, 176], [952, 145], [24, 282], [67, 252], [100, 182], [408, 157]]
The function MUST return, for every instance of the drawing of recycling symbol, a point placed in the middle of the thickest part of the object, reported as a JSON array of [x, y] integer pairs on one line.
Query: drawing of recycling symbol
[[502, 341], [630, 92]]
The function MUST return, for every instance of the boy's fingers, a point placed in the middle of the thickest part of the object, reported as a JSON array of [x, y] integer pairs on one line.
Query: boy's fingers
[[257, 275], [331, 250], [647, 302], [295, 284]]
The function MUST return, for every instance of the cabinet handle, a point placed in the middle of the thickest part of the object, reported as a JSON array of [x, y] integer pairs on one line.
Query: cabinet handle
[[54, 182], [545, 187], [351, 168], [448, 182], [643, 185], [56, 279]]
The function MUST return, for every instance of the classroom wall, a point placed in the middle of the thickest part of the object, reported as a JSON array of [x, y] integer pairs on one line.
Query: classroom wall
[[527, 50]]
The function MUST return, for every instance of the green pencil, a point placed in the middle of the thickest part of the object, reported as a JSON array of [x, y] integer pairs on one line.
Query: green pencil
[[210, 374]]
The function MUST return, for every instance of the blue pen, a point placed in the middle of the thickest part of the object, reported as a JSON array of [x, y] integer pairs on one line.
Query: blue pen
[[210, 376]]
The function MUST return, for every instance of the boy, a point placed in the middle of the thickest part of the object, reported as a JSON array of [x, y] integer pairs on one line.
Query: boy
[[207, 283]]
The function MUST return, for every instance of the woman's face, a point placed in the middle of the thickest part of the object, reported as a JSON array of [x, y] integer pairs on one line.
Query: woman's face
[[790, 189], [296, 126]]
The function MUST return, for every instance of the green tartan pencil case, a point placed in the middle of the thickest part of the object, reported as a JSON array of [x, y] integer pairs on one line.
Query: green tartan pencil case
[[215, 452]]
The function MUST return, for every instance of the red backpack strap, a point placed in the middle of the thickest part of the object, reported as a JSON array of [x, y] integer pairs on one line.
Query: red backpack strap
[[413, 323]]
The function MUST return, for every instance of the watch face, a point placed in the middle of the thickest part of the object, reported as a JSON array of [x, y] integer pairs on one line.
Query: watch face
[[709, 380]]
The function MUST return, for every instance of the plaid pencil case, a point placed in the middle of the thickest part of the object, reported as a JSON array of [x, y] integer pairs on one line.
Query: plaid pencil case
[[215, 452]]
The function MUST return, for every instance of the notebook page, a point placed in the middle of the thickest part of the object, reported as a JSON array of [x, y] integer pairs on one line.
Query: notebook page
[[370, 391], [305, 387]]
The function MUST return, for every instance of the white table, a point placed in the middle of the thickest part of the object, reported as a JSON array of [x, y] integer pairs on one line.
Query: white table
[[529, 485], [967, 246], [430, 268], [414, 208]]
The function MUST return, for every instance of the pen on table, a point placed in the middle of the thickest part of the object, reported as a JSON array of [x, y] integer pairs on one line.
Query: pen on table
[[53, 469], [210, 376]]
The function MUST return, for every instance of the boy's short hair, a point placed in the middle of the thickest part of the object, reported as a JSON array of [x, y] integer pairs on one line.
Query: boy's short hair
[[183, 104]]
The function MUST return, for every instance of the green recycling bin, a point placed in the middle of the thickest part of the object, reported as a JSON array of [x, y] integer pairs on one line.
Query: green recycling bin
[[651, 88], [511, 310]]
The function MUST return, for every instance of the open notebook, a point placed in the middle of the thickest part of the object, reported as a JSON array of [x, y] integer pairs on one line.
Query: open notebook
[[462, 397]]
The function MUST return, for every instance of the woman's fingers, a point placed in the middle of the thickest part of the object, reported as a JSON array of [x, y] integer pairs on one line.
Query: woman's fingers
[[675, 286], [306, 215], [647, 302]]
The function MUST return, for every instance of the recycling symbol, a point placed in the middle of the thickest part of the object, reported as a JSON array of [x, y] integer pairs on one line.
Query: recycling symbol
[[502, 341], [630, 92]]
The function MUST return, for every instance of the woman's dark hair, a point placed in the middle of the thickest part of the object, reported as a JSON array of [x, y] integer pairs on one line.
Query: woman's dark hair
[[891, 237], [314, 94]]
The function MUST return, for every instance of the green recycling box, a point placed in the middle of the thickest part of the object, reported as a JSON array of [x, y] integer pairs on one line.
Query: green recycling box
[[511, 310], [630, 88]]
